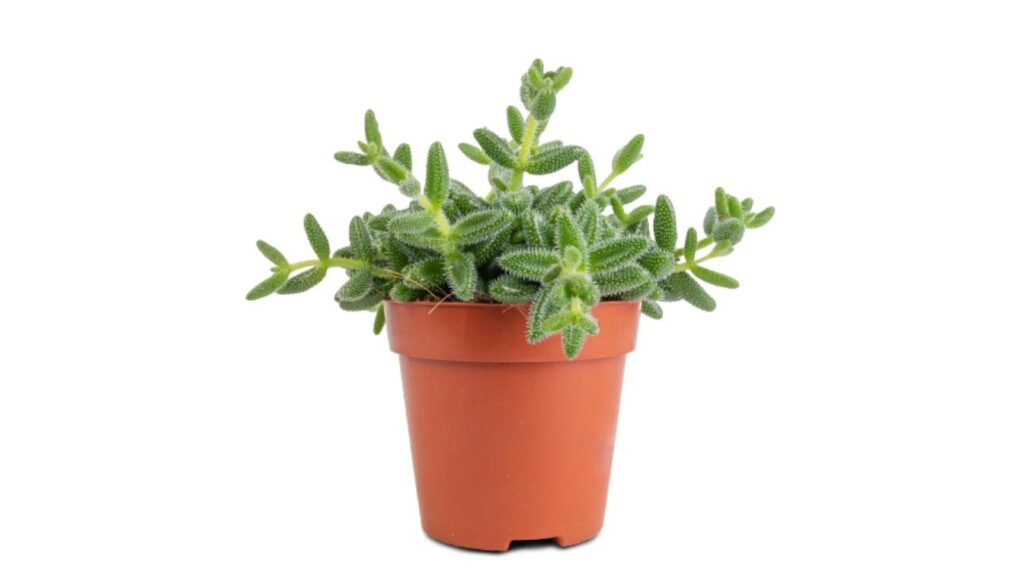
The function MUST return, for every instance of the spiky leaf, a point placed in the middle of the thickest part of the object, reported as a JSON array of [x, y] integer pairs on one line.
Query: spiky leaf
[[480, 226], [268, 286], [629, 154], [474, 154], [572, 341], [730, 230], [352, 158], [553, 160], [762, 217], [403, 154], [626, 278], [303, 281], [613, 254], [436, 187], [360, 240], [461, 274], [528, 264], [682, 286], [715, 278], [510, 289], [357, 287], [495, 147], [378, 320], [317, 238], [515, 123], [372, 129], [271, 253], [665, 233], [652, 309], [567, 232]]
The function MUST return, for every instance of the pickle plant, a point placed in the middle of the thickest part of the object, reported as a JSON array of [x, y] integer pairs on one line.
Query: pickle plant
[[561, 248]]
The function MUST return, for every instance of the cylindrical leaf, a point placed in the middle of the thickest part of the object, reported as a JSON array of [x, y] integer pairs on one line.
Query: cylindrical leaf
[[303, 281], [359, 239], [271, 253], [730, 230], [461, 273], [652, 309], [372, 130], [317, 237], [762, 217], [436, 187], [543, 105], [613, 254], [480, 226], [690, 247], [516, 124], [378, 320], [509, 289], [391, 170], [710, 218], [474, 154], [553, 160], [268, 286], [629, 154], [352, 158], [529, 264], [682, 286], [715, 278], [626, 278], [665, 224], [495, 147], [403, 154]]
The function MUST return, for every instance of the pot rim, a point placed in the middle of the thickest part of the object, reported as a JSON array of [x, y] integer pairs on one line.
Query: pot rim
[[490, 305]]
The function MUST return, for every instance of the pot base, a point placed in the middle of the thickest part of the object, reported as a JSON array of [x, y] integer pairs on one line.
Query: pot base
[[491, 544]]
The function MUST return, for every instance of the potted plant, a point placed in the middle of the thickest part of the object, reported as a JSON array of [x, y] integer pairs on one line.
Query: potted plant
[[512, 313]]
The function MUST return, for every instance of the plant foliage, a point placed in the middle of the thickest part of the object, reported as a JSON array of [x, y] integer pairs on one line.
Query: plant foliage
[[561, 248]]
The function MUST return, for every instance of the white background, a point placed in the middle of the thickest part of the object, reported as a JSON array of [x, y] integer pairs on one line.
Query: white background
[[851, 414]]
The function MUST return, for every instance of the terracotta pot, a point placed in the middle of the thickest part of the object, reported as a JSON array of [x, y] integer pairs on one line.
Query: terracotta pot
[[510, 441]]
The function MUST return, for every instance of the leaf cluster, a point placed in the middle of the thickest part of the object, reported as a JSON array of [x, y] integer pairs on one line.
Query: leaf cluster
[[560, 248]]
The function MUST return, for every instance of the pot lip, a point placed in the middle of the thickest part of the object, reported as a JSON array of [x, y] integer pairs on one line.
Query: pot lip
[[487, 305]]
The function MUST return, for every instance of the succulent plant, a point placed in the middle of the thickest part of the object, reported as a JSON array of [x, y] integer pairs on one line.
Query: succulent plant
[[561, 249]]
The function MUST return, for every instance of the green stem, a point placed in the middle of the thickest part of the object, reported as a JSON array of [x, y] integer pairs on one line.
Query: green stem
[[607, 181], [349, 263], [687, 265], [529, 136]]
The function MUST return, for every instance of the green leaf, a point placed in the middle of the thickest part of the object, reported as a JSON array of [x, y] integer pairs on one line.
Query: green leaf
[[543, 105], [721, 203], [480, 226], [404, 292], [367, 303], [585, 166], [378, 320], [410, 187], [735, 208], [317, 238], [512, 290], [572, 257], [403, 154], [762, 217], [730, 230], [546, 302], [588, 218], [572, 341], [474, 154], [561, 78], [682, 286], [557, 322], [553, 160], [359, 239], [303, 281], [516, 124], [530, 264], [652, 309], [553, 196], [271, 253], [665, 233], [690, 247], [658, 262], [627, 155], [495, 147], [715, 278], [567, 232], [587, 323], [639, 214], [626, 278], [357, 287], [391, 170], [428, 273], [268, 286], [710, 218], [628, 195], [531, 226], [352, 158], [581, 287], [461, 273], [747, 204], [613, 254], [437, 176], [372, 130]]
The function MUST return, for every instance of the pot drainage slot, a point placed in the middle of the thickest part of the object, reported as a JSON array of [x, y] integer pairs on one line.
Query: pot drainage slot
[[533, 543]]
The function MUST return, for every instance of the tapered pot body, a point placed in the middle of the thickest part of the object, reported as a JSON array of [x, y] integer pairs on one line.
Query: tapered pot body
[[510, 441]]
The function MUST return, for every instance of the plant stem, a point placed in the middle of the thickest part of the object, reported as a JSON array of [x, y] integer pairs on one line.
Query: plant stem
[[350, 263], [607, 181], [687, 265], [529, 136]]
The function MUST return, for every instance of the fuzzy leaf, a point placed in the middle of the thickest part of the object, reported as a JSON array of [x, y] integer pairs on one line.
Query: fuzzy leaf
[[367, 303], [512, 290], [360, 240], [303, 281], [628, 195], [480, 226], [588, 324], [572, 341], [588, 218], [721, 203], [352, 158], [372, 129], [567, 232], [613, 254], [658, 262], [543, 105], [715, 278], [516, 124], [357, 287], [747, 204], [690, 247], [403, 154], [528, 264], [710, 218], [474, 154], [557, 322], [553, 160], [543, 305], [682, 286], [461, 274], [405, 293], [436, 189], [665, 233], [626, 278], [531, 226], [495, 147], [735, 208], [585, 166], [730, 230], [317, 238], [426, 274], [391, 170], [378, 320], [652, 309], [762, 217], [271, 253], [268, 286], [554, 196], [628, 154]]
